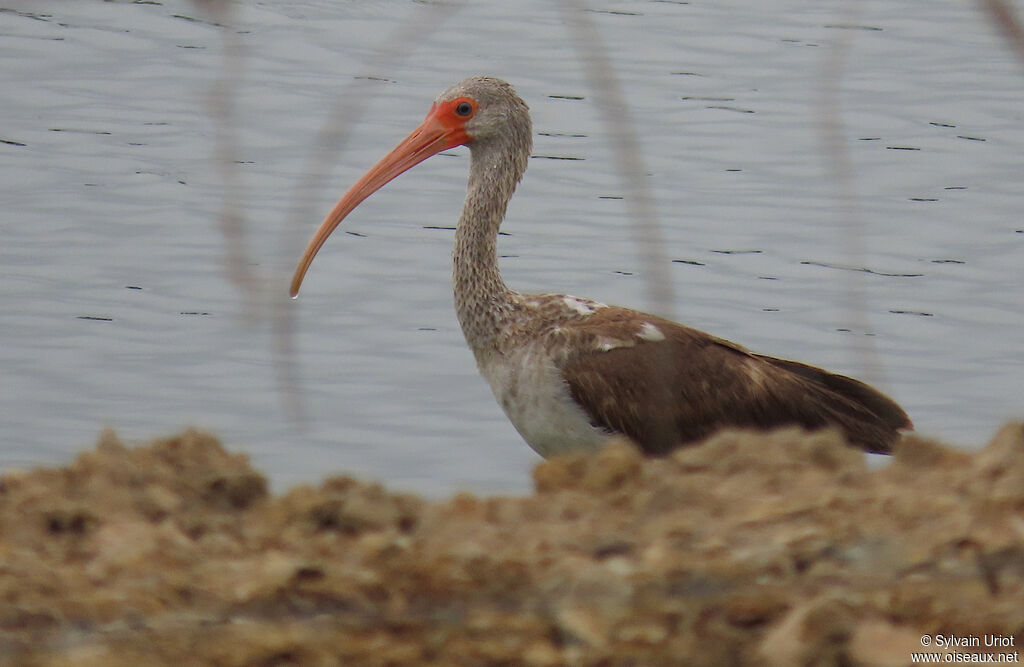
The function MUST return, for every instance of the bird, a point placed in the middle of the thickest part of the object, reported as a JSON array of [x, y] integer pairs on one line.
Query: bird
[[572, 373]]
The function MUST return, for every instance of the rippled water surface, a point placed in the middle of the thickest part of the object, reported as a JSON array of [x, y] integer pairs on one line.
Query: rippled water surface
[[117, 307]]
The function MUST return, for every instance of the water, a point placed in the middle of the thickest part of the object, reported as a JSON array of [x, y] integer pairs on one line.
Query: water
[[117, 309]]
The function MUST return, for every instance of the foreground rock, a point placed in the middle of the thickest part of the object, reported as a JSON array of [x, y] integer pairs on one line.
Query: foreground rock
[[780, 549]]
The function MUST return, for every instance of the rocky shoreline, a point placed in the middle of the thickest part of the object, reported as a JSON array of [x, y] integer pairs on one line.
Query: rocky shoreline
[[766, 549]]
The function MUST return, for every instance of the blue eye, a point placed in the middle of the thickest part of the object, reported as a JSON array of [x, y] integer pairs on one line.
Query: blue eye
[[464, 109]]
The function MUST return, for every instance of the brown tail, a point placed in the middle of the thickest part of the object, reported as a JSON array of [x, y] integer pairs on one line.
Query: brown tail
[[880, 408]]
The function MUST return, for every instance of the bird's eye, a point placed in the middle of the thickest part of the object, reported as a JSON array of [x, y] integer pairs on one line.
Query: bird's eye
[[464, 109]]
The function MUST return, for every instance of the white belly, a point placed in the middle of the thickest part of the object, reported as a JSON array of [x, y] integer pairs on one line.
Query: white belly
[[530, 388]]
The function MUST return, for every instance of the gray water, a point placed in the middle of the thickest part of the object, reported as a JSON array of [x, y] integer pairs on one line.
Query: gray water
[[117, 309]]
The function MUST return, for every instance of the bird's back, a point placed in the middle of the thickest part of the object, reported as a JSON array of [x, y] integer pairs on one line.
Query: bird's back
[[663, 384]]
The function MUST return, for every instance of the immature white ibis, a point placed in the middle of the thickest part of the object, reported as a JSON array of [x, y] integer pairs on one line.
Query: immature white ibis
[[571, 372]]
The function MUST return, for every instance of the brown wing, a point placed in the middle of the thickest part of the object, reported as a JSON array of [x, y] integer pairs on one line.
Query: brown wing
[[665, 393]]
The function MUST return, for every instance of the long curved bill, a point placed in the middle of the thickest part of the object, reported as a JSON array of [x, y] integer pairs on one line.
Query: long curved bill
[[435, 134]]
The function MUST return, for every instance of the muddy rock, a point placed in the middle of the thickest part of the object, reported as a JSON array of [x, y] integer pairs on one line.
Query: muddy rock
[[782, 548]]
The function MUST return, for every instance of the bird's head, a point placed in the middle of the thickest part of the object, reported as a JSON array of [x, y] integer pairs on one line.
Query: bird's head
[[481, 112]]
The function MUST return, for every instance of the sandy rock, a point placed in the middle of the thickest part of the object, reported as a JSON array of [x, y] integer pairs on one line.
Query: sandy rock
[[781, 548]]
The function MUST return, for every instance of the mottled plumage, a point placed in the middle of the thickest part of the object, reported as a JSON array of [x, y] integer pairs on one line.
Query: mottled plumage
[[570, 372]]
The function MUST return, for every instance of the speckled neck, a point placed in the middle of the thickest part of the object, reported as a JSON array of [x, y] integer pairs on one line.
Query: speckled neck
[[483, 303]]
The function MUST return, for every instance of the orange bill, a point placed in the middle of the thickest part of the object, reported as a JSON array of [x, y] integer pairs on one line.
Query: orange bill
[[440, 131]]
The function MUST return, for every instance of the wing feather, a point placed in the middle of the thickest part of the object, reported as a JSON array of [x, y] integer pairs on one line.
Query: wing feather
[[667, 392]]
